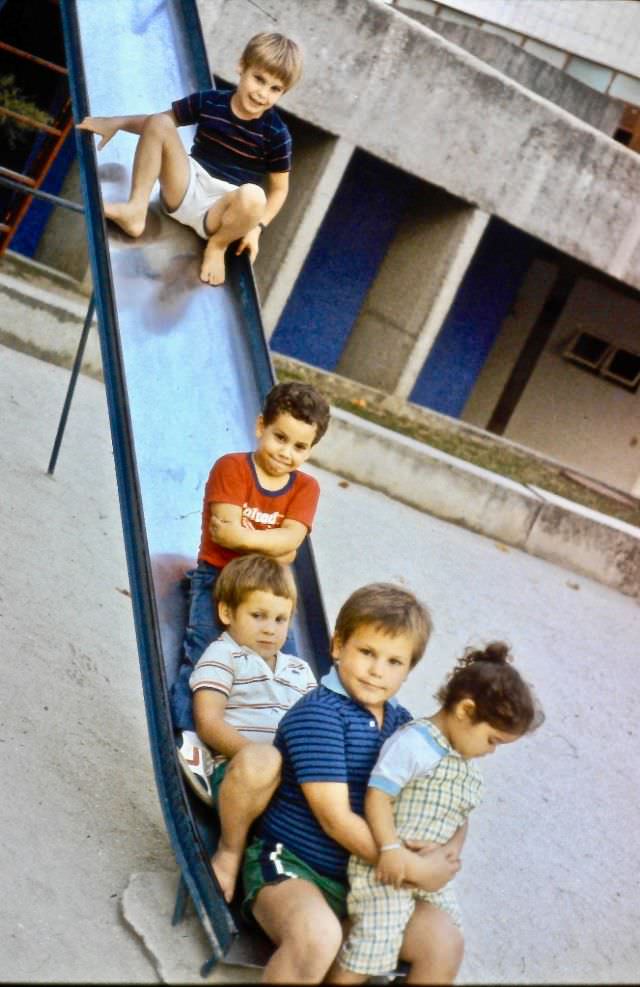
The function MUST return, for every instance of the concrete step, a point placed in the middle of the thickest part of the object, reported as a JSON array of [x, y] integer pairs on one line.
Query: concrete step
[[42, 313]]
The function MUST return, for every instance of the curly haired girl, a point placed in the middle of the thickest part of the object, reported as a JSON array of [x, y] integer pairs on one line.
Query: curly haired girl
[[424, 786]]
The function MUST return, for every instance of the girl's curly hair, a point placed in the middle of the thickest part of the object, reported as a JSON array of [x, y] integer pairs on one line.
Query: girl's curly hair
[[500, 694]]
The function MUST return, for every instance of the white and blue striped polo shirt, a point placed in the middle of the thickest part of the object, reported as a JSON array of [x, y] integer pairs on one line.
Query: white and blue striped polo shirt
[[328, 737], [257, 695]]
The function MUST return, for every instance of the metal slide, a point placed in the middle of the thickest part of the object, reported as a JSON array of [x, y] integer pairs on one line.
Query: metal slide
[[186, 367]]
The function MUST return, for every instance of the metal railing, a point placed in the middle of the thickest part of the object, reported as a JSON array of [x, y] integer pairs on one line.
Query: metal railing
[[29, 184]]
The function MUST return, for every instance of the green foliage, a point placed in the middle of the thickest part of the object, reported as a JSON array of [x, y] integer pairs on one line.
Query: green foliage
[[14, 132]]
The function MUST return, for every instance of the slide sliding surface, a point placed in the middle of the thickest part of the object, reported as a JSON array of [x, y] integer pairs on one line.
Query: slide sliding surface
[[186, 369]]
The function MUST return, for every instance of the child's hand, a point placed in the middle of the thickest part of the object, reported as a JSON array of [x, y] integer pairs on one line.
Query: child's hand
[[225, 533], [392, 867], [105, 127], [433, 869], [249, 242], [421, 846]]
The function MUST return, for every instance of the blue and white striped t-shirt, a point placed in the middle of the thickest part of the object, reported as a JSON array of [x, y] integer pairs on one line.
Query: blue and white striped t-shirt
[[232, 149], [327, 737]]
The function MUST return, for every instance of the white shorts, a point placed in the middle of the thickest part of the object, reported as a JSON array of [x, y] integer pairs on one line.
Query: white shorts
[[203, 191]]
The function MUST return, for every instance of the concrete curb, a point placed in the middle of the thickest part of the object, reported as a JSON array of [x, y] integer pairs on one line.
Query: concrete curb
[[527, 518], [48, 325]]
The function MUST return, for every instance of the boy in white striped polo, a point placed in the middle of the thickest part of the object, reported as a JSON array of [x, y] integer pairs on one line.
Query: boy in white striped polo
[[242, 686]]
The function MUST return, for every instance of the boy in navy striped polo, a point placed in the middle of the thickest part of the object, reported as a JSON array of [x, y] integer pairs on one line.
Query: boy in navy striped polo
[[295, 871], [240, 144]]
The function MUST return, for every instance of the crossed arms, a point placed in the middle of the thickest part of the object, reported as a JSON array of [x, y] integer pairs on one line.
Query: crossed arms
[[226, 528]]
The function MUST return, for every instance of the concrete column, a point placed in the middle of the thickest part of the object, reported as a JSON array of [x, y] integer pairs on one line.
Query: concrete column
[[63, 245], [319, 162], [412, 293]]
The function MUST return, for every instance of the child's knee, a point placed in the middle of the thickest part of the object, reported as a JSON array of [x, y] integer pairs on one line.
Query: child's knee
[[317, 943], [160, 125], [444, 951], [433, 943], [452, 949], [257, 766], [450, 962], [251, 200]]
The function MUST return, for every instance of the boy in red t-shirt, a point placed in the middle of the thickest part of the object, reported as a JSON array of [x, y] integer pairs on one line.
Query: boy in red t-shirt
[[253, 502]]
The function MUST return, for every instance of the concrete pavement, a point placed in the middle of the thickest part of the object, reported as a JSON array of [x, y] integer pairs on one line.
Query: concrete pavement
[[548, 887]]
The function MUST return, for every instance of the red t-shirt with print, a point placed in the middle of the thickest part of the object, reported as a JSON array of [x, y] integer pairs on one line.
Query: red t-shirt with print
[[233, 480]]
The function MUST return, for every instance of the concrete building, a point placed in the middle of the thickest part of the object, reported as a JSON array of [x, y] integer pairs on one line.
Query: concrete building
[[463, 229], [596, 43]]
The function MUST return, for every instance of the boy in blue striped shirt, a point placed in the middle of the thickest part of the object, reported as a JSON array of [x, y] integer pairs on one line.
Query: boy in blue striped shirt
[[240, 144], [295, 871]]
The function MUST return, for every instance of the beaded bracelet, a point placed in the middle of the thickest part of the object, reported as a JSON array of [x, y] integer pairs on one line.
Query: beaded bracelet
[[390, 846]]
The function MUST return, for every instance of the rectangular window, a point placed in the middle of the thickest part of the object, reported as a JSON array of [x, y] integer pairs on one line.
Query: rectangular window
[[587, 349], [628, 131], [615, 363], [623, 367]]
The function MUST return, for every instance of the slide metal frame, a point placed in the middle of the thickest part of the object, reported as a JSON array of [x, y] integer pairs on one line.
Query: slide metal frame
[[191, 831]]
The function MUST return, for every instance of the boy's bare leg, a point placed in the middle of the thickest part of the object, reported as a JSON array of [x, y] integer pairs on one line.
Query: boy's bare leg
[[233, 215], [338, 975], [306, 932], [159, 155], [250, 780], [433, 945]]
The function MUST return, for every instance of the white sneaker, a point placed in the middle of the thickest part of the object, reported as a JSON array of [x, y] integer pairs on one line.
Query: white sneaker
[[196, 763]]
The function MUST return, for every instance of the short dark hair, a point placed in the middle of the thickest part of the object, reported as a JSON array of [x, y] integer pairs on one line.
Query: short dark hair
[[391, 609], [248, 573], [274, 53], [501, 696], [301, 401]]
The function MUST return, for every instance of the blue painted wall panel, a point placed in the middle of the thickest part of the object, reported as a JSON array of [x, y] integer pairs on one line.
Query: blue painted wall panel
[[474, 320], [343, 261], [32, 226]]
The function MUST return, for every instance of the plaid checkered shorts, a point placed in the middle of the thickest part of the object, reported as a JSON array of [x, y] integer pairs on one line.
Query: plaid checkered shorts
[[380, 915]]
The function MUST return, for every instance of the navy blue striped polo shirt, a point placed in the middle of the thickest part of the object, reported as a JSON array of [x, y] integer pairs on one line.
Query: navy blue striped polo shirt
[[232, 149], [326, 736]]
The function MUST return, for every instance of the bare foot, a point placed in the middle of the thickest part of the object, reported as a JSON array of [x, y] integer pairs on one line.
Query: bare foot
[[128, 217], [226, 864], [212, 270]]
